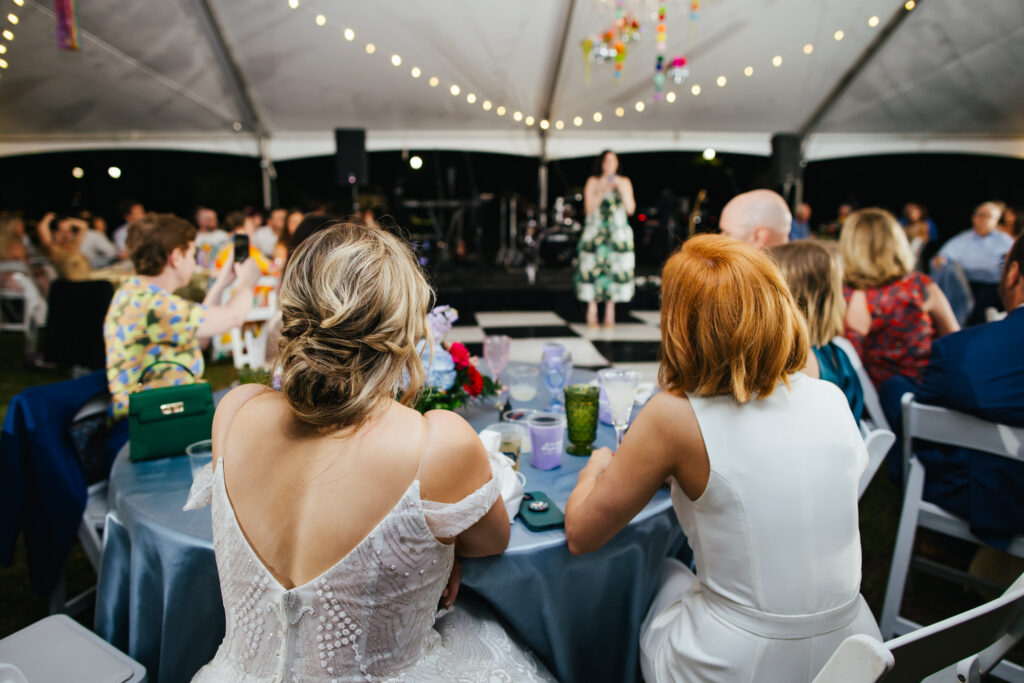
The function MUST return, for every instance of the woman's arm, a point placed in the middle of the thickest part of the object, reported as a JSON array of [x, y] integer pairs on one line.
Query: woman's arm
[[454, 465], [219, 319], [626, 191], [937, 306], [858, 317], [591, 195], [663, 441]]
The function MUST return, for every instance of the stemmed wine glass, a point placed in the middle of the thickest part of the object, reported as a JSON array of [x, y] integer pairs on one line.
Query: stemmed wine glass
[[496, 348], [556, 367], [620, 387]]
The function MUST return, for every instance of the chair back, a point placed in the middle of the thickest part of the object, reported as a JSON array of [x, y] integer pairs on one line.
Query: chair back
[[974, 642], [871, 400], [878, 442], [951, 427], [74, 326]]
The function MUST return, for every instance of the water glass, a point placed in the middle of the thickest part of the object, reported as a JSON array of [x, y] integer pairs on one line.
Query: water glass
[[496, 354], [620, 387], [522, 383], [200, 454], [547, 434], [556, 366], [513, 437], [581, 402], [521, 418]]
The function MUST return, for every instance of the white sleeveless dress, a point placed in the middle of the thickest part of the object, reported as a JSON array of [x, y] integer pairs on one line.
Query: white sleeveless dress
[[371, 616], [775, 541]]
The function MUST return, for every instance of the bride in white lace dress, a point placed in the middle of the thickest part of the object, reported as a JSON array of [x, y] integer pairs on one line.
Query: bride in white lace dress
[[337, 510]]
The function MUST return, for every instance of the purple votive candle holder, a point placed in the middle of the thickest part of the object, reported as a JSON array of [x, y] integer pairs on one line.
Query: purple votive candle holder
[[547, 440]]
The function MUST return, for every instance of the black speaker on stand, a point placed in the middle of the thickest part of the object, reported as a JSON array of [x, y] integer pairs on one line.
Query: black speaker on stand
[[350, 168], [787, 167]]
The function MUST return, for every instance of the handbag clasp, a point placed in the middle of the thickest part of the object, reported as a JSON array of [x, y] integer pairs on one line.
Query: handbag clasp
[[172, 408]]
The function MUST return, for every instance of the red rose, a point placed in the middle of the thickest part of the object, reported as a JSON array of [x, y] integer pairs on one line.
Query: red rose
[[475, 385], [460, 355]]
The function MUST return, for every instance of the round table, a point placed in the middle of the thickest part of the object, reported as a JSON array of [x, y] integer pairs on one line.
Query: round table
[[159, 597]]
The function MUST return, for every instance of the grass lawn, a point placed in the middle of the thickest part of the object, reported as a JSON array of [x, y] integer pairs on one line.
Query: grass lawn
[[928, 599]]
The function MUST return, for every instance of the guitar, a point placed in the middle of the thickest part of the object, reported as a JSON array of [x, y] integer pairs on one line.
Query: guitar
[[695, 216]]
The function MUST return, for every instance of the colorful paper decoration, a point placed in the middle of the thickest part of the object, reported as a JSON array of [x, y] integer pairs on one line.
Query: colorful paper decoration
[[67, 24]]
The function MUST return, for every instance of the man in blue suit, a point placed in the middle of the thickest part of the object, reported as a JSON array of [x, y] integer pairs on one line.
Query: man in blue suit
[[979, 370]]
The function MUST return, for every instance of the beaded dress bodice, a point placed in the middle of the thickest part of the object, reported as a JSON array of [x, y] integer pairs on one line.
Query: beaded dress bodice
[[369, 617]]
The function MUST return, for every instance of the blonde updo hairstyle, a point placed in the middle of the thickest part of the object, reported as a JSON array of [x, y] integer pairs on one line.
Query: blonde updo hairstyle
[[353, 306]]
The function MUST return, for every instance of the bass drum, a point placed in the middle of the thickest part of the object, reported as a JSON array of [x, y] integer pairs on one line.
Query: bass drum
[[558, 248]]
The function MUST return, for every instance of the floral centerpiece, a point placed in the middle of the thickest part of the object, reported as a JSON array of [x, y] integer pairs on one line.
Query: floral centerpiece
[[452, 377]]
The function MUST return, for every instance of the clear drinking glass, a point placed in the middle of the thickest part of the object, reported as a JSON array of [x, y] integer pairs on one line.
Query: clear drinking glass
[[496, 356], [620, 388], [200, 454], [522, 383], [556, 367]]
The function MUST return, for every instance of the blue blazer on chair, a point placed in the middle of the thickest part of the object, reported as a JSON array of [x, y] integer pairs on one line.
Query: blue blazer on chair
[[979, 370]]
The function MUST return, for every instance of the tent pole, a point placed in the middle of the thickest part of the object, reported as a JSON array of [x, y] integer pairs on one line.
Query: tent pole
[[851, 74], [268, 174], [556, 71]]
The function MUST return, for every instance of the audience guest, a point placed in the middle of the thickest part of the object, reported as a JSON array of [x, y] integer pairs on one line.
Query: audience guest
[[63, 238], [815, 278], [131, 210], [980, 252], [96, 247], [759, 217], [15, 272], [377, 499], [266, 237], [12, 239], [284, 242], [892, 311], [147, 323], [832, 229], [764, 464], [801, 228], [919, 227], [1011, 222], [237, 223], [210, 238], [978, 371]]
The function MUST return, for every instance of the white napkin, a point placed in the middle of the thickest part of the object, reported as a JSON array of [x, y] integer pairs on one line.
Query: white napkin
[[510, 482], [201, 493]]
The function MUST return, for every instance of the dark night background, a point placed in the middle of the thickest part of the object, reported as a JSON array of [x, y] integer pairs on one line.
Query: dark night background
[[948, 185]]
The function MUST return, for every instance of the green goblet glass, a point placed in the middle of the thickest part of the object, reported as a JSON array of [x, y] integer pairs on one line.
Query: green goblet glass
[[581, 408]]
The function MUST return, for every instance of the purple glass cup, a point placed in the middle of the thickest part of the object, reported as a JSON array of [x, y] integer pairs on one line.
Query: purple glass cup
[[547, 437]]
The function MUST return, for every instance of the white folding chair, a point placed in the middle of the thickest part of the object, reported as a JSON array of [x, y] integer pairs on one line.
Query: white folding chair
[[871, 400], [60, 649], [247, 347], [961, 648], [878, 442], [942, 426], [20, 303], [91, 528]]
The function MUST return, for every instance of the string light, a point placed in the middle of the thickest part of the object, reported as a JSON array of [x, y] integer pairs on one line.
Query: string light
[[3, 63], [7, 35], [500, 111], [415, 163], [416, 73], [808, 49], [748, 72], [670, 97], [910, 4], [77, 172], [294, 4], [620, 112], [695, 90], [13, 18], [454, 90], [3, 49], [434, 81], [471, 98], [559, 124], [517, 116], [486, 105], [544, 124], [709, 154], [777, 60], [873, 22], [577, 121], [114, 172], [639, 106], [350, 35], [838, 35], [598, 116], [19, 3], [396, 60], [720, 81], [370, 48], [529, 121]]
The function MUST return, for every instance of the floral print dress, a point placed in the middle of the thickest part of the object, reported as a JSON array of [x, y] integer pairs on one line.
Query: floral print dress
[[606, 260]]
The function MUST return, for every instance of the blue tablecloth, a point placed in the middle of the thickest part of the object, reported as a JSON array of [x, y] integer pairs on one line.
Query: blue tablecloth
[[159, 596]]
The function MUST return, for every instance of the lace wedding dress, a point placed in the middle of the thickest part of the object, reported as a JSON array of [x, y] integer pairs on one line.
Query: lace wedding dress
[[371, 616]]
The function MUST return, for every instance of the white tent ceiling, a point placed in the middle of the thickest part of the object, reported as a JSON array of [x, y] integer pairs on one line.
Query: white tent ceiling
[[150, 74]]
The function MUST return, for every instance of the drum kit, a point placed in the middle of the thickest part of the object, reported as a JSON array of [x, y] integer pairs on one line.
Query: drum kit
[[529, 243]]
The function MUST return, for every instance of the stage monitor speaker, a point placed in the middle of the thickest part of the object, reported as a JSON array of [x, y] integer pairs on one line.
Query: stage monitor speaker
[[350, 156], [786, 156]]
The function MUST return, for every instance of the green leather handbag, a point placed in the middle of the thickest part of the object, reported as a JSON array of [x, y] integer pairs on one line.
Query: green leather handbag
[[163, 421]]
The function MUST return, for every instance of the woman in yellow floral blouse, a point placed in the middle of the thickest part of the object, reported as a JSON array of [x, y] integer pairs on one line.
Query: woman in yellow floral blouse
[[147, 322]]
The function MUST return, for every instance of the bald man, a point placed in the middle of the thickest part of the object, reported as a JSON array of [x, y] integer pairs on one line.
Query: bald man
[[760, 218]]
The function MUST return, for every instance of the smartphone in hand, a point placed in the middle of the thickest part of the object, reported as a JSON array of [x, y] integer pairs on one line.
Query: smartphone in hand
[[241, 247]]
